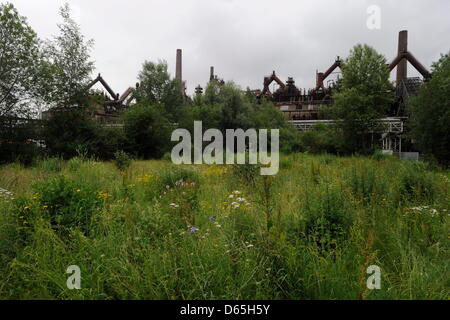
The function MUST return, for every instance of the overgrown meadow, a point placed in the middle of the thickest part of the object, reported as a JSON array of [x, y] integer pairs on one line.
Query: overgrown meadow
[[154, 230]]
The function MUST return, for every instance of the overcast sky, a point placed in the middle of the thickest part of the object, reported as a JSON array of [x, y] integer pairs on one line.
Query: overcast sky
[[244, 39]]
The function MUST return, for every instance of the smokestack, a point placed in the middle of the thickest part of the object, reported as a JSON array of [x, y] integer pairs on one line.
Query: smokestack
[[402, 69], [211, 74], [179, 66]]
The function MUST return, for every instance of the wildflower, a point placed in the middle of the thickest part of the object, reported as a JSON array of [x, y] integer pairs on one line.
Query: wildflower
[[21, 217], [45, 207], [174, 205], [25, 222], [4, 192], [167, 187], [235, 205], [249, 246], [26, 207], [212, 219], [231, 196], [78, 190], [236, 192], [193, 229]]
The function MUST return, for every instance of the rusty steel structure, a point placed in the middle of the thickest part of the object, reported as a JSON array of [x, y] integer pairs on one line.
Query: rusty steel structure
[[307, 104], [117, 102]]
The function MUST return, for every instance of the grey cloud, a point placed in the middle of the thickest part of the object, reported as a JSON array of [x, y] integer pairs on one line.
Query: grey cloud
[[245, 40]]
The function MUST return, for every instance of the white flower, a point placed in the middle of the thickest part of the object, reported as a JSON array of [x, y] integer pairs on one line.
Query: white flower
[[236, 192], [231, 196], [174, 205], [235, 205]]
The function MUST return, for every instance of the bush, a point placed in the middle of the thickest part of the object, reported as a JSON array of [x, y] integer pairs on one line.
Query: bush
[[147, 131], [68, 204], [328, 221], [322, 138], [122, 160], [70, 129]]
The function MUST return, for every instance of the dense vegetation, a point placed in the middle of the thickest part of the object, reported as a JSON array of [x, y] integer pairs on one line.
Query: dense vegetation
[[156, 231]]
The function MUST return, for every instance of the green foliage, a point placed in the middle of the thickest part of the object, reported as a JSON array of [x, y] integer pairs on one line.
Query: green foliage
[[365, 96], [246, 173], [68, 204], [430, 113], [68, 130], [122, 160], [147, 131], [51, 165], [309, 233], [322, 138], [328, 222], [20, 63], [170, 176], [67, 65], [225, 106], [156, 87], [417, 183]]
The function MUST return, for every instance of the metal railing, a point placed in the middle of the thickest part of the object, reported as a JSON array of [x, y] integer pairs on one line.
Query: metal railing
[[392, 125]]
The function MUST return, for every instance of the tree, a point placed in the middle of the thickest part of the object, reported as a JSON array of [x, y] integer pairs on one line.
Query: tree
[[156, 86], [430, 113], [365, 96], [147, 131], [19, 63], [68, 66]]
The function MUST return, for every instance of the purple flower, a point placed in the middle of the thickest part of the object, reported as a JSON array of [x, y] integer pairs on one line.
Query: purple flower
[[193, 229], [212, 219]]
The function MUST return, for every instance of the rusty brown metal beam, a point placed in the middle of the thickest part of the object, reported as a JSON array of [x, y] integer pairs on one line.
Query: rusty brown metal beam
[[268, 81], [396, 61], [419, 67], [321, 76], [107, 87], [126, 94]]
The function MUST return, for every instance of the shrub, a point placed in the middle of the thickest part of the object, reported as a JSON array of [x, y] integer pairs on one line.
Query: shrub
[[122, 160], [68, 204], [328, 221], [147, 131]]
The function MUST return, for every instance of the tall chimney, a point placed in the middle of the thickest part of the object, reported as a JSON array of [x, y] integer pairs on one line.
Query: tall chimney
[[179, 66], [211, 74], [402, 69]]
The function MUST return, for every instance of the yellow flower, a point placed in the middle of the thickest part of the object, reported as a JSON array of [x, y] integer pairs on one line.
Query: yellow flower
[[104, 195], [25, 222], [45, 207], [26, 207], [21, 217], [78, 190]]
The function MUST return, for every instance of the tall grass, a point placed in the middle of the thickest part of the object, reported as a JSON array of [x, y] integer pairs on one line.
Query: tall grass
[[216, 232]]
